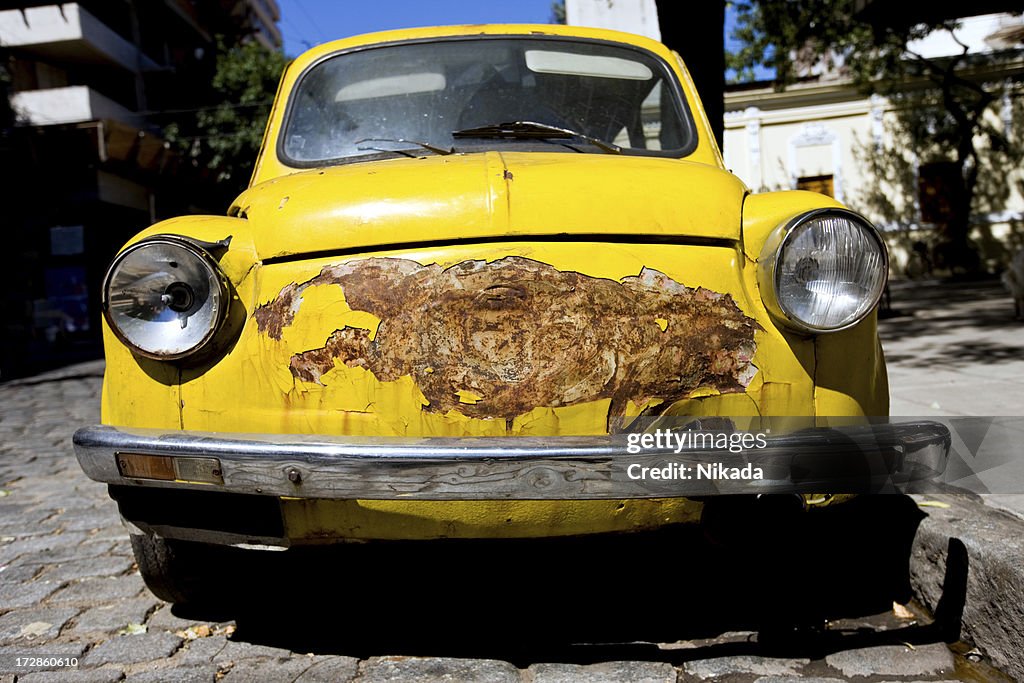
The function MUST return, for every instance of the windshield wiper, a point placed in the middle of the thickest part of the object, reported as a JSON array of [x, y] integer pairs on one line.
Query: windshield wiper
[[425, 145], [525, 130]]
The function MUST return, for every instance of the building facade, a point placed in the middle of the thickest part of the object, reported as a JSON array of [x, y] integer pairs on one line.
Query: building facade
[[91, 84], [823, 134]]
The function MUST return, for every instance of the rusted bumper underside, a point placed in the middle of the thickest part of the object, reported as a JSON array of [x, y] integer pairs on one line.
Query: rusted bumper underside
[[844, 460]]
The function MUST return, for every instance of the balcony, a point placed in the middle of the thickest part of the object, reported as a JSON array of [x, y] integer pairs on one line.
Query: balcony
[[68, 33], [72, 104]]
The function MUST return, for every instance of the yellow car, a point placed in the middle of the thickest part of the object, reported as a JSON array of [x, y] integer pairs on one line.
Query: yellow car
[[484, 281]]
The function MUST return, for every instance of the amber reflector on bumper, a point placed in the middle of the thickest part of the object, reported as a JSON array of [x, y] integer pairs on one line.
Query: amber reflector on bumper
[[138, 466]]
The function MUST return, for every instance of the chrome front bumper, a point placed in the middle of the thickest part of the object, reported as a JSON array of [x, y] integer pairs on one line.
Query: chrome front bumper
[[860, 459]]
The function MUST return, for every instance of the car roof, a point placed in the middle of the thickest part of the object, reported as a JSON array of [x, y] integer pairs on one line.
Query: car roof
[[405, 34]]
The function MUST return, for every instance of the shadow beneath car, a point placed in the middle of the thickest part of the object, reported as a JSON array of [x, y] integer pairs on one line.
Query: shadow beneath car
[[764, 569]]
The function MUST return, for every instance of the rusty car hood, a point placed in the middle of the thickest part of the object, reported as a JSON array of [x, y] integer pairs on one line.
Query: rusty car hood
[[490, 195]]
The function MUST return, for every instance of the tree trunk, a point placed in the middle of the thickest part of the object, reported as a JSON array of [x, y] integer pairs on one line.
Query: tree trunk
[[956, 250], [696, 30]]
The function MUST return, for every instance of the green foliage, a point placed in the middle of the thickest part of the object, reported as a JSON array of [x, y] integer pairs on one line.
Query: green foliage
[[791, 35], [558, 12], [772, 32], [224, 137], [8, 116]]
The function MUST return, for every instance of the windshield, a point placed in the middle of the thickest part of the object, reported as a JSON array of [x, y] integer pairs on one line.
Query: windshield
[[409, 98]]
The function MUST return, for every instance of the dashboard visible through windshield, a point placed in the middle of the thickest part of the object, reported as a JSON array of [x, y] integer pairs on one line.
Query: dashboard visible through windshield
[[465, 95]]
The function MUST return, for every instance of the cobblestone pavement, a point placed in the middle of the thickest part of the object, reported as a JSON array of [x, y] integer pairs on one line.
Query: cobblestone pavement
[[69, 586]]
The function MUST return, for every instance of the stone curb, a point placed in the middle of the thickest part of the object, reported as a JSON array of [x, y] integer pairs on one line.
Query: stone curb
[[967, 567]]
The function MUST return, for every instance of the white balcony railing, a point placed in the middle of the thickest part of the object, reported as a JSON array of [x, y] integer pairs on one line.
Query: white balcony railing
[[72, 104], [68, 33]]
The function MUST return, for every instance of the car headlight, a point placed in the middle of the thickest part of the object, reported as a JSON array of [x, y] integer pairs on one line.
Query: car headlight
[[165, 298], [823, 271]]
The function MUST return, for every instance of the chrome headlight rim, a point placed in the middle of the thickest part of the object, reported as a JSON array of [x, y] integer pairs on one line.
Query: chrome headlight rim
[[768, 273], [206, 258]]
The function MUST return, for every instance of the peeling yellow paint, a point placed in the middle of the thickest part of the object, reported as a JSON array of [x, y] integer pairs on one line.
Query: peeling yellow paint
[[255, 378], [468, 397], [520, 332], [662, 323]]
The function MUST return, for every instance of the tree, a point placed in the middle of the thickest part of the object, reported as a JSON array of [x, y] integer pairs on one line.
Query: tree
[[557, 12], [702, 49], [222, 139], [945, 104], [8, 116]]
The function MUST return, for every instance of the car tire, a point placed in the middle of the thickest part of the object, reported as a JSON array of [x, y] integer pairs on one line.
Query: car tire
[[182, 572]]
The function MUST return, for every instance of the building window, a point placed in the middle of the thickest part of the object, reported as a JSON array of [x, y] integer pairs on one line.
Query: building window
[[936, 183], [822, 184]]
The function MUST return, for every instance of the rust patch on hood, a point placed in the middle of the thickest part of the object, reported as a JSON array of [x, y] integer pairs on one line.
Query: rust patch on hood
[[516, 334]]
